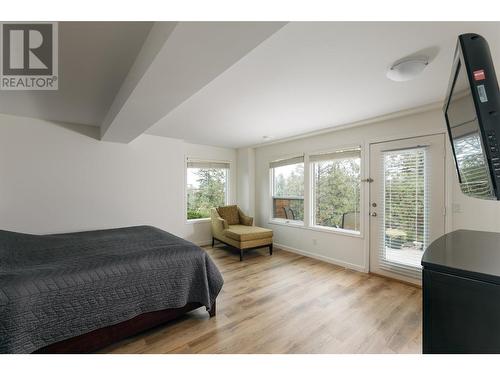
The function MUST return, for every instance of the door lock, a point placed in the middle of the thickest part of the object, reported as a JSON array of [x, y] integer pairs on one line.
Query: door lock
[[373, 214]]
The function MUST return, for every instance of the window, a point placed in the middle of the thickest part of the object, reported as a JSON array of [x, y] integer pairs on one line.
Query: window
[[336, 189], [405, 215], [288, 189], [207, 187]]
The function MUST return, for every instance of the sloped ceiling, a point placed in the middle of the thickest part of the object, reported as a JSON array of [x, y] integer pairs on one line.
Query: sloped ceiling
[[94, 59]]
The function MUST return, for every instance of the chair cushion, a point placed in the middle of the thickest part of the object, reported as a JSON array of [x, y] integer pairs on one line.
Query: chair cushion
[[230, 214], [244, 233]]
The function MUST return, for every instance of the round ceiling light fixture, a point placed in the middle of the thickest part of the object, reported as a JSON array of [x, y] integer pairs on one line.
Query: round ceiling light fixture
[[407, 69]]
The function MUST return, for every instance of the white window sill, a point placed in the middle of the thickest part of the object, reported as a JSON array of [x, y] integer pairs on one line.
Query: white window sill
[[198, 221], [287, 223], [316, 228], [344, 232]]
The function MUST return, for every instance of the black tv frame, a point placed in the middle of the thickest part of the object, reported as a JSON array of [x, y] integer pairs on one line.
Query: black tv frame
[[473, 54]]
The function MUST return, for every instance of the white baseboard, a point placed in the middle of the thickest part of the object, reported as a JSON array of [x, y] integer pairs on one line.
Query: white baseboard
[[306, 254], [321, 257]]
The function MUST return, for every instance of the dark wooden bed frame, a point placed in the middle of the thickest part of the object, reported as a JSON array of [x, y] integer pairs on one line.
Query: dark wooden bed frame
[[102, 337]]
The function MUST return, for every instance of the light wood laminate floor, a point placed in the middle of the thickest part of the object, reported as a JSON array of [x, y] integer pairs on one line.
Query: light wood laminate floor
[[287, 303]]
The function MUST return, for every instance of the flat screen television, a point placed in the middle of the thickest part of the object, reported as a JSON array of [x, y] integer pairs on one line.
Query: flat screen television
[[472, 112]]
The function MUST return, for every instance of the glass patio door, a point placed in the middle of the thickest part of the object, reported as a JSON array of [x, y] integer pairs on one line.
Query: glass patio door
[[406, 204]]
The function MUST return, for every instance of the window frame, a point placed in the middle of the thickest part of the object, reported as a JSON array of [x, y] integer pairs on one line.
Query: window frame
[[308, 222], [312, 186], [277, 220], [227, 198]]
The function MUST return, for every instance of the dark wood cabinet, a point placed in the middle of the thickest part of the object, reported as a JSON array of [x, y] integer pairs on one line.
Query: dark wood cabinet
[[461, 293]]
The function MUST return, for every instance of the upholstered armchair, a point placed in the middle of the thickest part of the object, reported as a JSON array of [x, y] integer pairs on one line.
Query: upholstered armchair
[[233, 228]]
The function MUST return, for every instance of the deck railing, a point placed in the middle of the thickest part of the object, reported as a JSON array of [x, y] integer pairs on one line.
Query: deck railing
[[288, 208]]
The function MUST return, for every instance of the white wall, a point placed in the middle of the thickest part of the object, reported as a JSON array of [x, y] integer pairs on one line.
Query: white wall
[[353, 251], [56, 178], [246, 180], [474, 214]]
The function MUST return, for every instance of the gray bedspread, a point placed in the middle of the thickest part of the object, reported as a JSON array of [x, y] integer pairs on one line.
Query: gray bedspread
[[54, 287]]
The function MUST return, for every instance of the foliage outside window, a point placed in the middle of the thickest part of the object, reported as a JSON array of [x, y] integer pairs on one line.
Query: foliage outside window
[[404, 197], [405, 216], [288, 189], [207, 184], [336, 189]]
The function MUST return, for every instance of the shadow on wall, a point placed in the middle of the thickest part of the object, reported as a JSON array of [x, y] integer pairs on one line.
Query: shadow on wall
[[87, 130]]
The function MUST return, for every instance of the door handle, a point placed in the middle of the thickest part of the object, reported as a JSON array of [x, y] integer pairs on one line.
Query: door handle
[[373, 214]]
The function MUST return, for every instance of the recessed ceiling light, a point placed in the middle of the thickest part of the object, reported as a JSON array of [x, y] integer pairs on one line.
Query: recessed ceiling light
[[407, 69]]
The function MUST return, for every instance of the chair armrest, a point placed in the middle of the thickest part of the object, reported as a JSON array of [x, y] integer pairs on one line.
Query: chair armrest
[[244, 219], [222, 223], [219, 225]]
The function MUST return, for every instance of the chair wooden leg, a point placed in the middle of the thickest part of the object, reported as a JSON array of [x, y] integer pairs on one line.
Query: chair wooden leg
[[241, 255], [271, 249], [213, 242]]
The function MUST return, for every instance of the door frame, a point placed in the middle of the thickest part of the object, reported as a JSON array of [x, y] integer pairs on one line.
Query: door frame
[[448, 181]]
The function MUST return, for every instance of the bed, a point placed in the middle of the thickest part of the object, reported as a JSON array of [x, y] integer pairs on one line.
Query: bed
[[78, 292]]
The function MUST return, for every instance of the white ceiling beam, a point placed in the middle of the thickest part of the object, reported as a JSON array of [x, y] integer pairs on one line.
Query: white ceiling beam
[[154, 42], [176, 61]]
